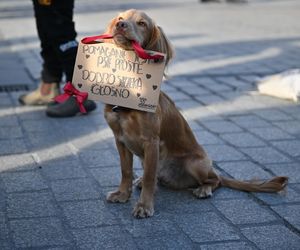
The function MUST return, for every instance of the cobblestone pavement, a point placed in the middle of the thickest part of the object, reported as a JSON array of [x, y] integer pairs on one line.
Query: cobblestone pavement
[[55, 173]]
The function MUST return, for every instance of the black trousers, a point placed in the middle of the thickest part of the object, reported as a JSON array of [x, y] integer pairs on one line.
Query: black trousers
[[56, 30]]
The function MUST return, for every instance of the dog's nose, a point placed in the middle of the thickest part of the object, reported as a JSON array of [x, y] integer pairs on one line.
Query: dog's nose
[[121, 25]]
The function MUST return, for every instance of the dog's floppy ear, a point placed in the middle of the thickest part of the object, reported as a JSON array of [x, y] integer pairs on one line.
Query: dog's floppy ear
[[159, 42], [111, 25]]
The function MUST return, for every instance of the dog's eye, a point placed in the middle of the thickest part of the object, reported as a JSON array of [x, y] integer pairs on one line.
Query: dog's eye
[[142, 23]]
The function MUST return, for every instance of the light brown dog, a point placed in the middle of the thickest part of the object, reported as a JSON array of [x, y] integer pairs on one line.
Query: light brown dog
[[163, 140]]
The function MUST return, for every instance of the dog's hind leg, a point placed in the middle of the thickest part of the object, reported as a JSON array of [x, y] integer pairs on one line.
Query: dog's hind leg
[[202, 171]]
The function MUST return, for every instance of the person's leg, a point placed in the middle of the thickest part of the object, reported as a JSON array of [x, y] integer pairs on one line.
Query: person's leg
[[51, 69], [63, 37]]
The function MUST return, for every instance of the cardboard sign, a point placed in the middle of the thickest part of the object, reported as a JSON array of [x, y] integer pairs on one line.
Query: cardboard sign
[[117, 76]]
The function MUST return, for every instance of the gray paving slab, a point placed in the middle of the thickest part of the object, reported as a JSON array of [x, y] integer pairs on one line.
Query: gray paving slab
[[23, 181], [74, 189], [199, 230], [244, 170], [110, 237], [244, 211], [289, 213], [39, 232], [88, 213], [243, 139], [55, 173], [273, 236], [29, 205]]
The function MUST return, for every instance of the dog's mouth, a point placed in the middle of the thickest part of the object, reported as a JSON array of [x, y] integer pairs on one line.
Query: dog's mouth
[[121, 39]]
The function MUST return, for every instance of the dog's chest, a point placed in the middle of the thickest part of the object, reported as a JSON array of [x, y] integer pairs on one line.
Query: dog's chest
[[125, 131]]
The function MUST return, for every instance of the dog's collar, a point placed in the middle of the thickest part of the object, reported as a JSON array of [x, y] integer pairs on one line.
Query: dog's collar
[[117, 108]]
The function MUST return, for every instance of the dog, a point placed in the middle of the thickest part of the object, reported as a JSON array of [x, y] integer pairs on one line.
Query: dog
[[163, 140]]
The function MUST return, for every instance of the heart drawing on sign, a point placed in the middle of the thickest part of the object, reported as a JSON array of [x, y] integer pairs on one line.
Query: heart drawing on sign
[[138, 94], [148, 76], [114, 70], [87, 56], [79, 85], [79, 66], [154, 87]]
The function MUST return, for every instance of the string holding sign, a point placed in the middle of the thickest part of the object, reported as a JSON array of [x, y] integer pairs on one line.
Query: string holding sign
[[135, 45]]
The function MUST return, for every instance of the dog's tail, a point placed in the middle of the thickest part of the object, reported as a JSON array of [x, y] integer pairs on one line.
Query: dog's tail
[[273, 185]]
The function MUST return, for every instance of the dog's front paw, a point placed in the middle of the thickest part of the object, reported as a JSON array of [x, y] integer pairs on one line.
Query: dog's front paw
[[118, 196], [142, 210]]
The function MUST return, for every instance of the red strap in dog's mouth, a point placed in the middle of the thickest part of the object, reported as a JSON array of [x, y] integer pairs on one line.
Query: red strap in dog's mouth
[[135, 45]]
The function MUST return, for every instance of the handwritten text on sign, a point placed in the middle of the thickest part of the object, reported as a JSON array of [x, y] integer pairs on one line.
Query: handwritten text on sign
[[118, 77]]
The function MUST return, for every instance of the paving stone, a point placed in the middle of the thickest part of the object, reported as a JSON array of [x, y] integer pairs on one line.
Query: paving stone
[[244, 211], [217, 87], [234, 82], [195, 90], [38, 141], [292, 110], [41, 125], [266, 155], [271, 133], [110, 237], [60, 151], [186, 104], [290, 213], [221, 126], [10, 132], [5, 100], [38, 232], [223, 153], [287, 196], [90, 213], [8, 119], [32, 113], [23, 181], [17, 162], [39, 204], [292, 127], [195, 126], [178, 241], [12, 146], [167, 88], [249, 121], [5, 242], [207, 138], [273, 115], [272, 237], [197, 228], [243, 140], [178, 96], [62, 169], [224, 193], [209, 99], [200, 113], [179, 202], [161, 224], [101, 158], [291, 147], [110, 176], [244, 170], [228, 246], [74, 189], [292, 170]]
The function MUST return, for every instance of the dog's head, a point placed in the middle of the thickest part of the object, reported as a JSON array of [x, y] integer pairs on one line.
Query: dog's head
[[136, 25]]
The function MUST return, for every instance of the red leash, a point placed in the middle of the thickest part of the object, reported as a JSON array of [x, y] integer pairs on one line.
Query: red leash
[[135, 45]]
